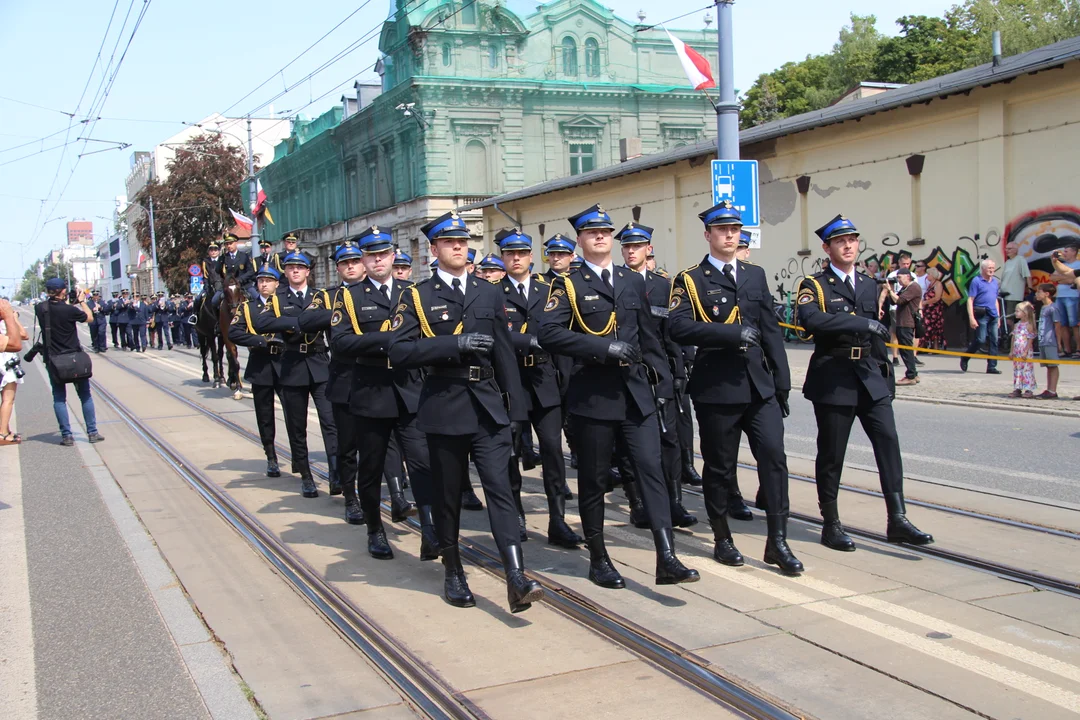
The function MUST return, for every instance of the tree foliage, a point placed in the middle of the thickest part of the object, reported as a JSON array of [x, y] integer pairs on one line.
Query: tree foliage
[[192, 206], [33, 284]]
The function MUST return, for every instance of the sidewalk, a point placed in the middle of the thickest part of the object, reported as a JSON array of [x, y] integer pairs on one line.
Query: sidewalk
[[940, 381]]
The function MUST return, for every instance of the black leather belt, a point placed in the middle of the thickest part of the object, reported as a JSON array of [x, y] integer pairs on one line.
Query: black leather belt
[[273, 349], [535, 359], [857, 352], [472, 373], [378, 362], [308, 349]]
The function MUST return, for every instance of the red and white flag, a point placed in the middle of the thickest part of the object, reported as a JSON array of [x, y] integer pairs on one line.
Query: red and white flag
[[242, 219], [260, 198], [142, 258], [694, 65]]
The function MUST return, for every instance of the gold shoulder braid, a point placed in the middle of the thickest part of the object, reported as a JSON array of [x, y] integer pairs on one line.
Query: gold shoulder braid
[[425, 327], [735, 316], [571, 295]]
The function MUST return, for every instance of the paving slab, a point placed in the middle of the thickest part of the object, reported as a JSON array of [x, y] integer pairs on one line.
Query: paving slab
[[1043, 608]]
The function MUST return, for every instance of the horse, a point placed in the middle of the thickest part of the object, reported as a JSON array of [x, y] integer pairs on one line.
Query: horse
[[232, 297], [213, 331]]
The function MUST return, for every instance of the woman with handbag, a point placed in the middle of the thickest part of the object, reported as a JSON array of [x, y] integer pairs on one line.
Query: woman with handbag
[[65, 359], [12, 333]]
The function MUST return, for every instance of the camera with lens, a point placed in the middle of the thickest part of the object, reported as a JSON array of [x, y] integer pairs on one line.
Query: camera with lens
[[32, 353], [15, 366]]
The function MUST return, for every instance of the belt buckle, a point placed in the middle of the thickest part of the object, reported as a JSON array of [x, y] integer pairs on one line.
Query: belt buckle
[[303, 348], [474, 373], [529, 361], [855, 354], [623, 363], [388, 365]]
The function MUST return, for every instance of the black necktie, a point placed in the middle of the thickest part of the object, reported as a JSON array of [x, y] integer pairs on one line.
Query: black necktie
[[456, 284], [385, 291], [521, 291], [850, 285], [727, 270], [605, 275]]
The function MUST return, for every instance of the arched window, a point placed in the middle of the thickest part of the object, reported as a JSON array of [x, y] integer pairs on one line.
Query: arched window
[[592, 58], [446, 55], [493, 56], [468, 12], [476, 168], [569, 56]]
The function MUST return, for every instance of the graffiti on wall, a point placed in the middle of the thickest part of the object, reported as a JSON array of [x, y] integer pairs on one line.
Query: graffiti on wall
[[1038, 233], [791, 275]]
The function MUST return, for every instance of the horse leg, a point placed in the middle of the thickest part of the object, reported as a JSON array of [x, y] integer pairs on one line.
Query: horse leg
[[203, 349]]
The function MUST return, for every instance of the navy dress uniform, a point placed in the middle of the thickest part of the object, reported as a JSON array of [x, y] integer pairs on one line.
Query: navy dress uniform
[[263, 369], [96, 333], [601, 319], [525, 299], [739, 384], [737, 508], [658, 290], [381, 402], [455, 327], [402, 265], [559, 243], [266, 257], [290, 241], [110, 311], [850, 377], [122, 317], [140, 318], [305, 370]]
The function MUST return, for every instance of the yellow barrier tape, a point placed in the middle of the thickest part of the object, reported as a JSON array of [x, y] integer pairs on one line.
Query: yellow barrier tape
[[954, 353]]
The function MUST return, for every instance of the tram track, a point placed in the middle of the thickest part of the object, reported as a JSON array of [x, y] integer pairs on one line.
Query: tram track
[[420, 683]]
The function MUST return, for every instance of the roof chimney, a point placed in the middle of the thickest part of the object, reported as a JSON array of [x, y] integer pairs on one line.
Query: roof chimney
[[996, 41]]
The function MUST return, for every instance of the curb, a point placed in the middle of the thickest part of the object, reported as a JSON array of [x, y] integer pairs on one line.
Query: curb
[[991, 406]]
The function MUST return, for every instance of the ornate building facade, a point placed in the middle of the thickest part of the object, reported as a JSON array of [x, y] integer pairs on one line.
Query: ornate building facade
[[477, 100]]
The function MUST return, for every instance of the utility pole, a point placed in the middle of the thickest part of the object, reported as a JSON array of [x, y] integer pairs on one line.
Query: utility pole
[[727, 110], [153, 252], [254, 193]]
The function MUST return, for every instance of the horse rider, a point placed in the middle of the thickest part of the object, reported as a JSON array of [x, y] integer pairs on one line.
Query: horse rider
[[383, 400], [525, 295], [455, 326], [740, 381], [598, 314], [402, 265], [237, 264], [850, 377], [265, 257], [263, 370], [213, 281], [305, 367]]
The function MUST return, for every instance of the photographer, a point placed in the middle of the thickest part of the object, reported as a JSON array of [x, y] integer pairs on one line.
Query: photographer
[[11, 373], [59, 322]]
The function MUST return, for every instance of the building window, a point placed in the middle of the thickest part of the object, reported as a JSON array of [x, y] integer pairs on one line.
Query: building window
[[476, 167], [582, 158], [372, 179], [446, 55], [569, 56], [592, 58], [493, 56], [468, 12]]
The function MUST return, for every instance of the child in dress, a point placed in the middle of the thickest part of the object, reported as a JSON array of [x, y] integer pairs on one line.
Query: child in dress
[[1022, 349]]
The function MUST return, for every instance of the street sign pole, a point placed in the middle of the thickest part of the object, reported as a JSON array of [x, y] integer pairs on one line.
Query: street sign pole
[[153, 251], [727, 109]]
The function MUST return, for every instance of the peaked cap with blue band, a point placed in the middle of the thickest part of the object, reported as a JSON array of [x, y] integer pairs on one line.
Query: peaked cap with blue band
[[836, 227], [744, 238], [348, 250], [435, 263], [722, 213], [449, 225], [402, 259], [268, 271], [374, 239], [491, 262], [513, 239], [472, 255], [559, 243], [594, 217], [577, 262], [296, 258], [634, 234]]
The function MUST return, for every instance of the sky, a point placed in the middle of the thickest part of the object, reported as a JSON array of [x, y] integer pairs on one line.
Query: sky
[[189, 59]]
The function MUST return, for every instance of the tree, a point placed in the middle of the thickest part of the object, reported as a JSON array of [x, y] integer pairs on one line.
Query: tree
[[192, 206], [927, 47], [854, 54], [1024, 24], [792, 89], [33, 283]]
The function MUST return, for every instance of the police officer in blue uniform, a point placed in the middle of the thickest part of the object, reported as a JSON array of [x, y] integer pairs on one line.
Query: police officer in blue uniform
[[237, 263], [305, 367], [559, 252], [491, 268], [599, 315], [109, 308], [737, 508], [525, 295], [142, 311], [161, 335], [120, 314], [382, 400], [98, 342], [455, 326], [263, 370], [402, 265], [740, 381], [850, 377]]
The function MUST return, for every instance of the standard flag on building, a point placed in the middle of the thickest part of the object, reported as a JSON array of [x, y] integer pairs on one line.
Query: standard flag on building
[[694, 65], [242, 220], [260, 207]]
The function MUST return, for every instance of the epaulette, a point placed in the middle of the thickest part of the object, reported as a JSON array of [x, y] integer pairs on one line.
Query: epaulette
[[540, 279]]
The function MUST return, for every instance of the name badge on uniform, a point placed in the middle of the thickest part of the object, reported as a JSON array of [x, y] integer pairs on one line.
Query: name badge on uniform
[[591, 297], [437, 308], [370, 307]]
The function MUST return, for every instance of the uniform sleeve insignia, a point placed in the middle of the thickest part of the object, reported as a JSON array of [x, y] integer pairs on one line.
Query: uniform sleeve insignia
[[335, 319], [235, 318], [676, 301], [806, 296], [338, 305], [402, 307], [680, 290], [316, 302], [552, 303], [397, 321]]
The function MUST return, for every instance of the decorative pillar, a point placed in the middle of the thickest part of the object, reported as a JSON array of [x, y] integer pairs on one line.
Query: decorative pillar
[[915, 168], [802, 183]]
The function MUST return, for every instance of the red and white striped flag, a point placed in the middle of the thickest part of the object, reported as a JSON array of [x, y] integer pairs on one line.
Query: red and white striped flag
[[694, 65], [142, 258], [242, 219], [260, 198]]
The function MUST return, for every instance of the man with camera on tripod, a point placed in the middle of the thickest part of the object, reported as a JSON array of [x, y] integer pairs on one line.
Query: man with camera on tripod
[[64, 357]]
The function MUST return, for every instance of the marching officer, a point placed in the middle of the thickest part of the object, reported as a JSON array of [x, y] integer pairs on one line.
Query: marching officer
[[455, 326], [121, 314], [559, 251], [402, 265], [161, 332], [98, 341], [140, 318], [110, 309], [491, 268], [382, 400], [525, 295], [263, 370], [291, 243], [186, 311], [636, 242], [237, 263], [737, 508], [850, 377], [599, 315], [305, 368], [740, 382]]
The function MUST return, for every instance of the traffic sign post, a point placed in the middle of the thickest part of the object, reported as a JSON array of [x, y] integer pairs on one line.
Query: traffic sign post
[[194, 271], [196, 285], [737, 181]]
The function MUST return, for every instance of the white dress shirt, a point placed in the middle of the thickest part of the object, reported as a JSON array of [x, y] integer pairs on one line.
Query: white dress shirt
[[719, 265], [449, 279]]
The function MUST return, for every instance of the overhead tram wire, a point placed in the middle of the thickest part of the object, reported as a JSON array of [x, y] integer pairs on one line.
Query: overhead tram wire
[[672, 19], [39, 107]]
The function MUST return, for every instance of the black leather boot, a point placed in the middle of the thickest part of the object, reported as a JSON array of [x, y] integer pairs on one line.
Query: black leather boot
[[724, 550], [400, 508], [601, 571], [777, 551], [521, 592], [272, 468], [759, 501], [900, 528], [566, 492], [523, 528], [573, 460], [455, 588], [614, 478], [429, 541], [307, 485], [638, 517], [736, 506], [679, 516], [529, 458], [669, 569], [469, 501], [689, 472], [559, 533], [832, 532], [377, 545], [334, 478], [354, 513]]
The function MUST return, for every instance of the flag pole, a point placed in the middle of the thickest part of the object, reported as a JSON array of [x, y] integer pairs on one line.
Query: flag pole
[[253, 190]]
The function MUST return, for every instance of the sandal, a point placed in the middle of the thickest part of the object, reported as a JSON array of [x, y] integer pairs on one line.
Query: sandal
[[1014, 394], [1047, 395], [11, 438], [1028, 395]]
